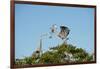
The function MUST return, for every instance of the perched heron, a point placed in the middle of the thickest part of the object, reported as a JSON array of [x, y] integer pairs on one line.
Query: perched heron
[[53, 30]]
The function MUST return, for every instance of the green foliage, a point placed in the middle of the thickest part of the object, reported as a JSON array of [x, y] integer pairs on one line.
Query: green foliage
[[57, 55], [28, 60], [50, 57]]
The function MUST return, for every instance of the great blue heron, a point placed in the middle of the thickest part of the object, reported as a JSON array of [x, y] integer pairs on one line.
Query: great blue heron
[[53, 30], [64, 32]]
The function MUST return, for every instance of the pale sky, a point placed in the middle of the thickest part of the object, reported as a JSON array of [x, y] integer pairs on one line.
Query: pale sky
[[31, 21]]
